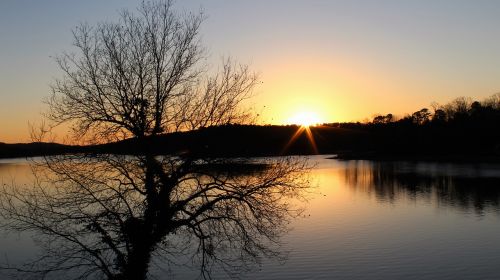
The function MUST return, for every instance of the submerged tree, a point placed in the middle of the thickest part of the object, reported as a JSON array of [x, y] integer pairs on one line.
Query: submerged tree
[[111, 216]]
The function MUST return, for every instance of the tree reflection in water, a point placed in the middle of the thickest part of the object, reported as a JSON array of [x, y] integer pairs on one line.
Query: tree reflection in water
[[108, 216], [139, 77], [462, 186]]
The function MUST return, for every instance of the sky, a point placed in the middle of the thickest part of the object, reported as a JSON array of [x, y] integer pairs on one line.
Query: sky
[[341, 60]]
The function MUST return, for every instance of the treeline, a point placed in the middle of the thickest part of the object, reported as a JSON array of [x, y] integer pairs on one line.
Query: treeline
[[463, 128], [460, 130], [462, 109]]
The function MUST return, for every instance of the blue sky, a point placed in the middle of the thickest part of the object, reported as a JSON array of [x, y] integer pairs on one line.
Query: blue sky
[[347, 60]]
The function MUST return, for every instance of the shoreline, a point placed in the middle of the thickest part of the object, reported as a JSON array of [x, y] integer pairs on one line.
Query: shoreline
[[451, 158]]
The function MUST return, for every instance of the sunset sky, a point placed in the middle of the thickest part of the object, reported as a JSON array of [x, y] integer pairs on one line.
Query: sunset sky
[[343, 60]]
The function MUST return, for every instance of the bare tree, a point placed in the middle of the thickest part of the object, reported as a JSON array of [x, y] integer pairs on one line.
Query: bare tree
[[458, 108], [109, 216], [493, 101], [142, 76]]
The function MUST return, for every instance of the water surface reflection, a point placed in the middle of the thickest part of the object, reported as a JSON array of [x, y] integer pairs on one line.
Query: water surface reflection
[[464, 186], [378, 220], [127, 217]]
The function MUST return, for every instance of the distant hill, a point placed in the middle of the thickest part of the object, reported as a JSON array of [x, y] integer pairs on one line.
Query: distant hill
[[403, 139], [34, 149], [228, 141], [239, 140]]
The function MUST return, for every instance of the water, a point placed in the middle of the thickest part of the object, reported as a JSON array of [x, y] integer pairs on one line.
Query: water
[[373, 220], [397, 221]]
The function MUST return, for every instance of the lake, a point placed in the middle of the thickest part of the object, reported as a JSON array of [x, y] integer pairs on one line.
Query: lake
[[371, 220]]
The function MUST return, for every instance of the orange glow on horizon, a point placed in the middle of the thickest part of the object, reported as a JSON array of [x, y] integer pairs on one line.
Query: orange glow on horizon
[[305, 118]]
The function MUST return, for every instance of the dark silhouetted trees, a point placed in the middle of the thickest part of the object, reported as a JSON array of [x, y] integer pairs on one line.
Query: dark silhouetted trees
[[421, 117], [144, 76], [461, 129], [112, 216], [383, 119]]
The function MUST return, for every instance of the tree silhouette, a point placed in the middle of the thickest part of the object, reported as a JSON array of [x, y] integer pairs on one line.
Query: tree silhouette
[[109, 216], [383, 119], [106, 217], [439, 116], [422, 116], [143, 76]]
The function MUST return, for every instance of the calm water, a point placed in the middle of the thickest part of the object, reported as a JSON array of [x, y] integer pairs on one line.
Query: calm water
[[369, 220]]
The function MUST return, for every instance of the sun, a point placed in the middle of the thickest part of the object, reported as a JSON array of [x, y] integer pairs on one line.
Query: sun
[[305, 118]]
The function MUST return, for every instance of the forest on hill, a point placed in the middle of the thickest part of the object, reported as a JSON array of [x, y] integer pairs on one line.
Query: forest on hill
[[460, 130]]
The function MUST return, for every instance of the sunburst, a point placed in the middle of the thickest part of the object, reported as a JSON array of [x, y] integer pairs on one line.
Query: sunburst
[[309, 135]]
